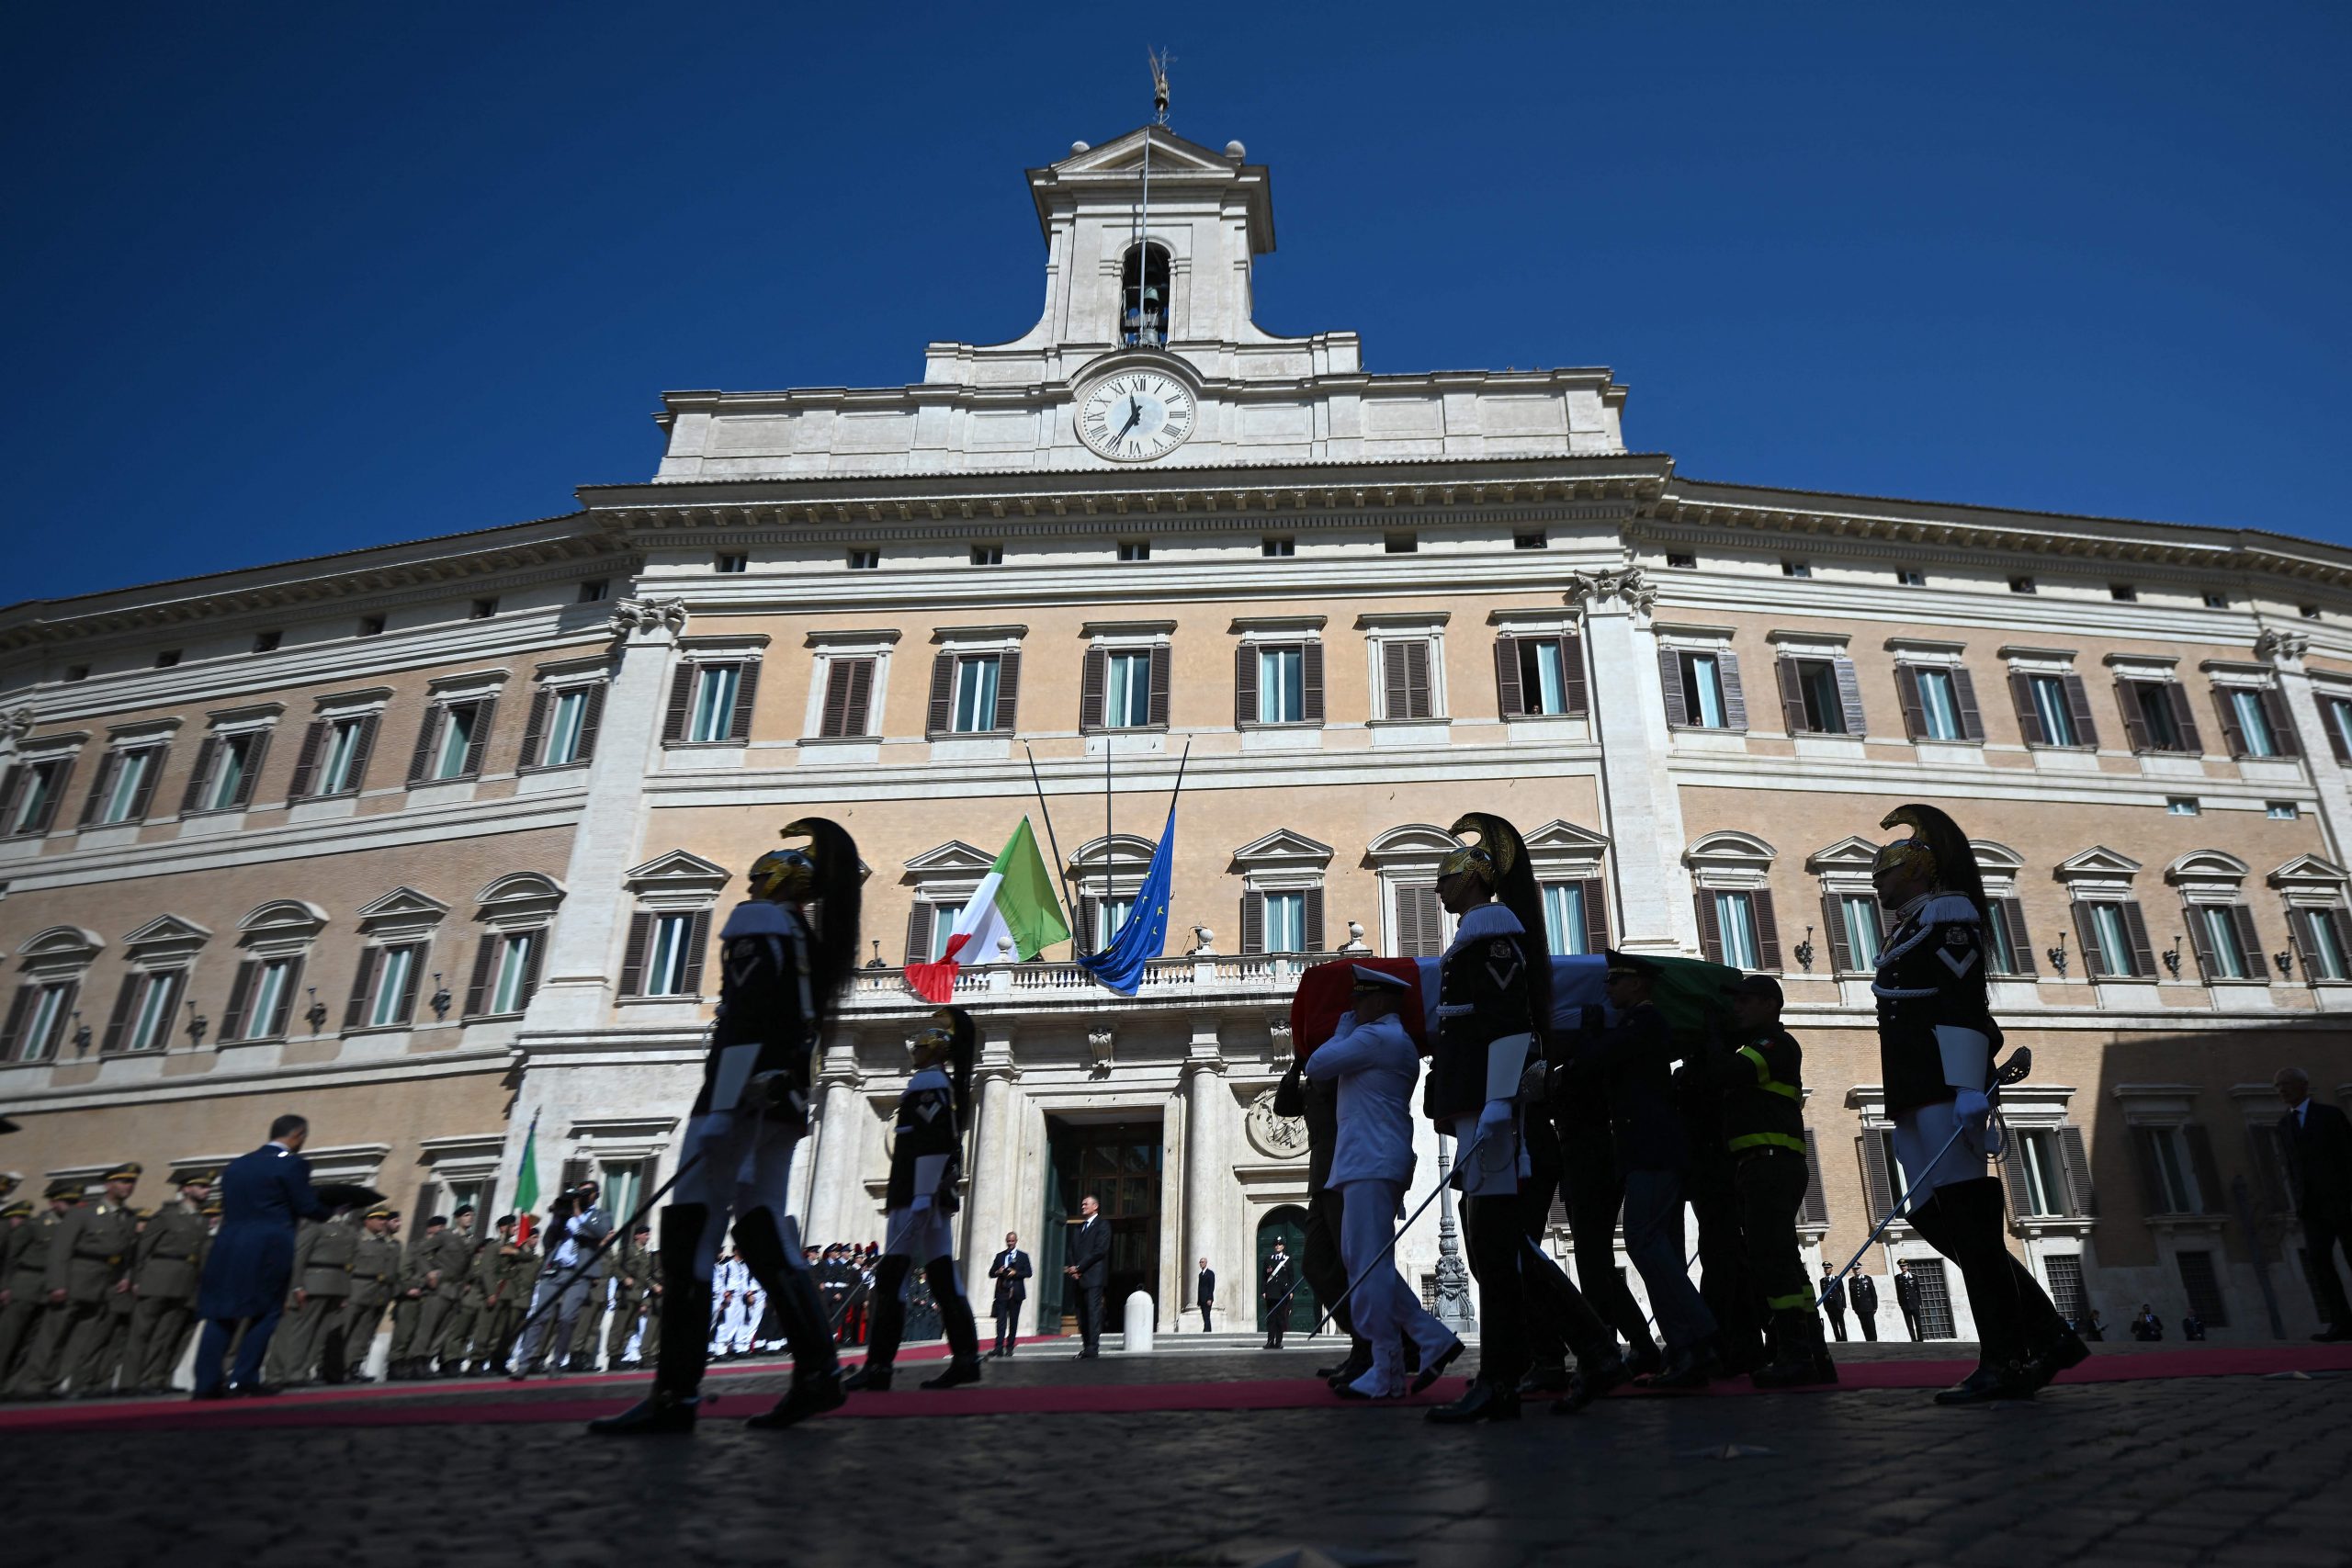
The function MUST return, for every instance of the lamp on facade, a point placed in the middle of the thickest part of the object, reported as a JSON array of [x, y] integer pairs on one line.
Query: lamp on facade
[[2285, 961], [315, 1015], [197, 1025], [2057, 956], [81, 1034], [2172, 956], [1804, 951], [439, 1002], [875, 961]]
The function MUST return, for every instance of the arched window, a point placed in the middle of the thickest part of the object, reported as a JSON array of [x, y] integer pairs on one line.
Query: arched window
[[1143, 297]]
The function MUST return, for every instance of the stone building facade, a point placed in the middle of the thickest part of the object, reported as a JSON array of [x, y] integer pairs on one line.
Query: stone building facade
[[428, 840]]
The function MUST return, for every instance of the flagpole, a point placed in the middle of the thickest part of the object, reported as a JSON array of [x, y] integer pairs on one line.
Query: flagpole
[[1109, 886], [1059, 869]]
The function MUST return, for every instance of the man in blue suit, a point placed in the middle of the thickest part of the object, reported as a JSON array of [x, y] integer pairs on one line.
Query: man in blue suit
[[263, 1194]]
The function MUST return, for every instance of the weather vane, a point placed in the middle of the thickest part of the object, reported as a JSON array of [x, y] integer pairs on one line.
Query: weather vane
[[1158, 61]]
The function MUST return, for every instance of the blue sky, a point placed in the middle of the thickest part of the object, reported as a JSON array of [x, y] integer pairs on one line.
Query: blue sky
[[285, 279]]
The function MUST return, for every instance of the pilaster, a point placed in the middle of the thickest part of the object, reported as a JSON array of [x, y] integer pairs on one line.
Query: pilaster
[[1207, 1108], [2285, 650], [1641, 812]]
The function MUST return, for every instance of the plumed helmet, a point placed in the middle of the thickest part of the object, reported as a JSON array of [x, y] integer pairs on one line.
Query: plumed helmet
[[784, 873], [825, 874], [1935, 848], [1492, 857]]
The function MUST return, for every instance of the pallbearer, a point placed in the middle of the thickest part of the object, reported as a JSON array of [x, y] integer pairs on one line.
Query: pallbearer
[[926, 1153], [1937, 1038], [780, 979], [1373, 1065]]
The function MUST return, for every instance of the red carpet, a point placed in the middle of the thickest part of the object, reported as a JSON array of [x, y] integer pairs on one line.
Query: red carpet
[[401, 1405]]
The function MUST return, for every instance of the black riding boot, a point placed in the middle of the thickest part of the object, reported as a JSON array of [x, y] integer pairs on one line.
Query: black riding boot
[[956, 1317], [684, 1349], [792, 1293], [889, 1326]]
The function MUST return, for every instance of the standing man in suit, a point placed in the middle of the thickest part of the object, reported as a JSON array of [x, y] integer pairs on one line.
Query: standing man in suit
[[1906, 1296], [1277, 1289], [1205, 1292], [1864, 1292], [1011, 1272], [1833, 1301], [1089, 1267], [2318, 1139], [264, 1195]]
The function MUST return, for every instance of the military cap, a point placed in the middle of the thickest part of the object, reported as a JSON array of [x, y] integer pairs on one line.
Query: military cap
[[65, 1187], [197, 1177], [212, 1209], [381, 1214], [17, 1211], [10, 1182], [130, 1170], [1628, 963], [1375, 980]]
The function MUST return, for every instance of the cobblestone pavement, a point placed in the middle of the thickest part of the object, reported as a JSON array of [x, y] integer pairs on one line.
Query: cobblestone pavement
[[2189, 1470]]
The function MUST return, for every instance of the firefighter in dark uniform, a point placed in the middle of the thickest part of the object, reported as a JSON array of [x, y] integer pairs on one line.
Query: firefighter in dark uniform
[[781, 976], [1494, 1005], [1937, 1038], [1763, 1123]]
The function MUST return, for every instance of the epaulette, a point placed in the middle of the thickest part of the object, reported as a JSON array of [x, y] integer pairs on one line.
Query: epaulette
[[1947, 908], [1488, 919]]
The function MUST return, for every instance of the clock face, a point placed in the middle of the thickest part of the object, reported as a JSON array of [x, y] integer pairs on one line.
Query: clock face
[[1136, 415]]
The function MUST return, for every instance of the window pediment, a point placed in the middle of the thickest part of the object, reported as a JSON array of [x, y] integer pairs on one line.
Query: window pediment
[[678, 878], [60, 951], [1282, 846], [1416, 847], [404, 914], [519, 898], [2310, 882], [1730, 859], [954, 858], [165, 942], [281, 928]]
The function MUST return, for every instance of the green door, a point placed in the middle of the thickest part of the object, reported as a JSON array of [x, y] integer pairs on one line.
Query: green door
[[1289, 1223]]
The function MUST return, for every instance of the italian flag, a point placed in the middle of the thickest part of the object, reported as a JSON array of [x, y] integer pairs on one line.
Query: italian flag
[[1015, 900], [526, 1184]]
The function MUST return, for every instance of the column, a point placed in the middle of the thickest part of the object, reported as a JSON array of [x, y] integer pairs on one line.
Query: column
[[2285, 650], [1641, 812], [1207, 1108], [577, 989], [992, 1201], [839, 1140]]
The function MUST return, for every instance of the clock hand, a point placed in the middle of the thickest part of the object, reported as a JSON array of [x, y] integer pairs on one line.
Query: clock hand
[[1134, 413]]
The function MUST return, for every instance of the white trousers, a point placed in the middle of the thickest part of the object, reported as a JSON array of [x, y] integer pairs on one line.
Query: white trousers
[[1919, 1132], [746, 1163], [1385, 1307], [918, 1237]]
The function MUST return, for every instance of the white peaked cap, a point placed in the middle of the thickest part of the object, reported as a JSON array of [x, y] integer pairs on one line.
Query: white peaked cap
[[1376, 977]]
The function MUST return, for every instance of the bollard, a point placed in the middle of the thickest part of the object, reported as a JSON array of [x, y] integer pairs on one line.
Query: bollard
[[1138, 1337]]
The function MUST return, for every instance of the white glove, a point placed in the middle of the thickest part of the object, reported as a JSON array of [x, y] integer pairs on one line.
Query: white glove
[[1973, 1109], [1493, 1120], [921, 1204]]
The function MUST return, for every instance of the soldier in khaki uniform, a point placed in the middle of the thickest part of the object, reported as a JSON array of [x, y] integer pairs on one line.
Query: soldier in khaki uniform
[[465, 1315], [375, 1281], [631, 1275], [89, 1259], [450, 1256], [518, 1267], [408, 1310], [24, 1265], [106, 1362], [164, 1275], [308, 1346]]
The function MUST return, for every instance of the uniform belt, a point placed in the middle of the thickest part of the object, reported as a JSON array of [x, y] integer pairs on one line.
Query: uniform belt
[[1767, 1143]]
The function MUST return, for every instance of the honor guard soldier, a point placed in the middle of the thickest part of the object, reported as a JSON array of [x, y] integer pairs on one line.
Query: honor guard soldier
[[1937, 1038], [309, 1339], [375, 1279], [164, 1273], [779, 983], [1763, 1123], [918, 1205], [27, 1309], [89, 1258]]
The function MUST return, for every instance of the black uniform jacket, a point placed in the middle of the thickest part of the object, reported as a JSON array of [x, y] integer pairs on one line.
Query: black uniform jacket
[[1930, 972], [1482, 996], [763, 1000], [1632, 1058], [926, 1125]]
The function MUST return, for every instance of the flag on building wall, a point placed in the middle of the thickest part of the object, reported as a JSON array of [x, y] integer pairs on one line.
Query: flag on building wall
[[1015, 900]]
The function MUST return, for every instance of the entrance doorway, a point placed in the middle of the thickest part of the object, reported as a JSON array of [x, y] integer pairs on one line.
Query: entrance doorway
[[1118, 1164], [1289, 1223]]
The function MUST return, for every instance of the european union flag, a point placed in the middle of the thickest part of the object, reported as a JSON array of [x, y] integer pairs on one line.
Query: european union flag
[[1143, 935]]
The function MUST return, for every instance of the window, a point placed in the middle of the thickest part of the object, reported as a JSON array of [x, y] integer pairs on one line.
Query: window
[[383, 991], [2176, 1168], [1702, 688], [2021, 585], [1796, 568], [1528, 541], [1423, 927], [29, 792], [37, 1020], [849, 697], [1574, 916], [2124, 593], [77, 672], [483, 609], [518, 972], [2281, 811], [2217, 601], [125, 784], [1283, 920], [2336, 718], [2040, 1180], [455, 742], [2156, 716], [944, 916], [1857, 930], [1730, 930], [865, 560], [267, 642], [227, 766], [261, 999], [1539, 675], [166, 658], [665, 956], [2053, 709], [2308, 612], [2182, 805], [1135, 549], [2114, 937], [1909, 578], [2255, 722], [516, 910], [1272, 546], [2323, 940], [1680, 561], [1820, 696], [1400, 544], [333, 758], [731, 561], [1278, 683], [1123, 688], [988, 554], [2227, 945], [1938, 703], [595, 591], [710, 702], [975, 692], [1111, 912], [2202, 1286], [1144, 294], [2009, 949], [371, 626], [1405, 691], [452, 740], [142, 1019], [563, 725]]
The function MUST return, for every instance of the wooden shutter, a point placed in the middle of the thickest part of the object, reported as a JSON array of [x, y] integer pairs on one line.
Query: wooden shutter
[[534, 728], [107, 765], [17, 1009], [420, 759], [535, 958], [156, 757], [1245, 686], [1877, 1180], [1972, 716], [1816, 1198], [2249, 942], [1396, 681], [2209, 962], [1850, 698], [2010, 912], [2153, 1198], [1915, 711], [1841, 951], [2081, 1199], [2096, 963], [1711, 931], [1508, 701], [2135, 725], [61, 775], [486, 951], [1791, 684], [276, 1020], [407, 1003], [747, 690], [1572, 677], [363, 980], [1090, 688], [1734, 694], [1008, 689], [1311, 937], [2295, 942], [2183, 719], [2340, 925], [640, 932], [1088, 922], [2232, 732], [2029, 717], [698, 939], [306, 760], [194, 794], [12, 785], [2144, 957], [2282, 722], [681, 703], [591, 715], [485, 714], [1596, 915], [2078, 708], [849, 689], [1768, 930], [1254, 922], [2331, 719], [2212, 1199], [240, 990], [1669, 679], [919, 921], [256, 754], [1311, 679], [1157, 716], [117, 1019], [2013, 1186]]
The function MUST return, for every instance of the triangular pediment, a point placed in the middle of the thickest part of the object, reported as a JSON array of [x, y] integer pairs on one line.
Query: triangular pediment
[[2308, 870], [1562, 837], [2098, 861], [1844, 855], [403, 902], [678, 865], [1282, 845], [952, 858], [1171, 155], [166, 929]]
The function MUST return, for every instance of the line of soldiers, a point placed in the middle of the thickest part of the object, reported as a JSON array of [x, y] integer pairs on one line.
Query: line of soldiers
[[98, 1297]]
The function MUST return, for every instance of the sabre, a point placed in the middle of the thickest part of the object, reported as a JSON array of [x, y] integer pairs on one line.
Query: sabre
[[2014, 1070], [601, 1247], [1461, 1160]]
